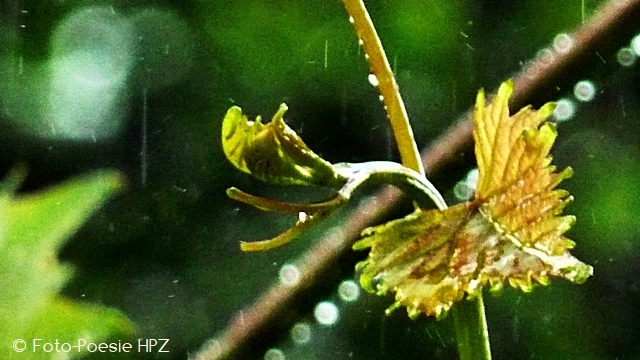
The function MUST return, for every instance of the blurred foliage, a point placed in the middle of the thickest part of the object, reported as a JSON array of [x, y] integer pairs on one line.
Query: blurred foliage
[[166, 252], [34, 227]]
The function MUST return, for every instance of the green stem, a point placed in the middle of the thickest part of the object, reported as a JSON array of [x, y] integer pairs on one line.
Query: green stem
[[387, 85], [415, 185], [470, 322], [471, 329]]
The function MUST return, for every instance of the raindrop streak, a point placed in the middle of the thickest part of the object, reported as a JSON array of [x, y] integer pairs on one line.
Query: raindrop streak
[[565, 110], [289, 275], [143, 150], [301, 333], [373, 80], [626, 57], [274, 354], [20, 64], [349, 291], [326, 53], [326, 313], [584, 91]]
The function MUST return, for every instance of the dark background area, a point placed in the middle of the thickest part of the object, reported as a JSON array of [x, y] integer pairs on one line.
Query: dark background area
[[148, 83]]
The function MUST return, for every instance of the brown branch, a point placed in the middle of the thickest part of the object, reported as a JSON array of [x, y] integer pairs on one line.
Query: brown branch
[[599, 38]]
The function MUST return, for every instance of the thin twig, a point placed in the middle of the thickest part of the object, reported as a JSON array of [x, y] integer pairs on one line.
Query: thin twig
[[602, 35]]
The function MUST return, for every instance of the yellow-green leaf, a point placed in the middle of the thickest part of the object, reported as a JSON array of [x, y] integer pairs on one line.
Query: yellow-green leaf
[[273, 152], [516, 183], [511, 231]]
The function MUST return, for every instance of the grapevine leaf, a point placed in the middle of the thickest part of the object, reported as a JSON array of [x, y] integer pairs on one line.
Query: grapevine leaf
[[510, 232], [273, 152], [33, 227]]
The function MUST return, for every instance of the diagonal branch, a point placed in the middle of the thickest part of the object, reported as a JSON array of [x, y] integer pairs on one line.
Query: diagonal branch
[[600, 37]]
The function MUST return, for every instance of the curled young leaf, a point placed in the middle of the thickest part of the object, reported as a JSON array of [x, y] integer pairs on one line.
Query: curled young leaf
[[510, 232], [273, 152]]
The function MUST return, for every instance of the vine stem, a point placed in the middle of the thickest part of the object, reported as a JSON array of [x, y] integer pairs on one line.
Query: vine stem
[[470, 321], [470, 325], [387, 85]]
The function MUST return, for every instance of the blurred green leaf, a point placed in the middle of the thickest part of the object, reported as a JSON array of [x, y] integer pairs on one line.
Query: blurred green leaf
[[32, 229]]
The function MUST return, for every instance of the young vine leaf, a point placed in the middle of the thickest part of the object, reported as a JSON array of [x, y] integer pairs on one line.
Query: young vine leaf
[[273, 152], [511, 231]]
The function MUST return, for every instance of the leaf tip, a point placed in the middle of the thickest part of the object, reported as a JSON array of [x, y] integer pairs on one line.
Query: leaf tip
[[281, 111], [480, 100], [506, 88], [119, 181], [547, 109]]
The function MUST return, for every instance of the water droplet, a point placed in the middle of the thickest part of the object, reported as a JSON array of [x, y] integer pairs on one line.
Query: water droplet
[[626, 57], [351, 19], [463, 191], [584, 90], [530, 69], [326, 313], [545, 57], [274, 354], [381, 97], [349, 291], [565, 110], [373, 80], [302, 216], [360, 42], [472, 176], [301, 333], [289, 275], [562, 43], [635, 44], [213, 347]]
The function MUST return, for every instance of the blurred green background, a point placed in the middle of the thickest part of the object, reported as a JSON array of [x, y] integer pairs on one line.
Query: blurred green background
[[142, 86]]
